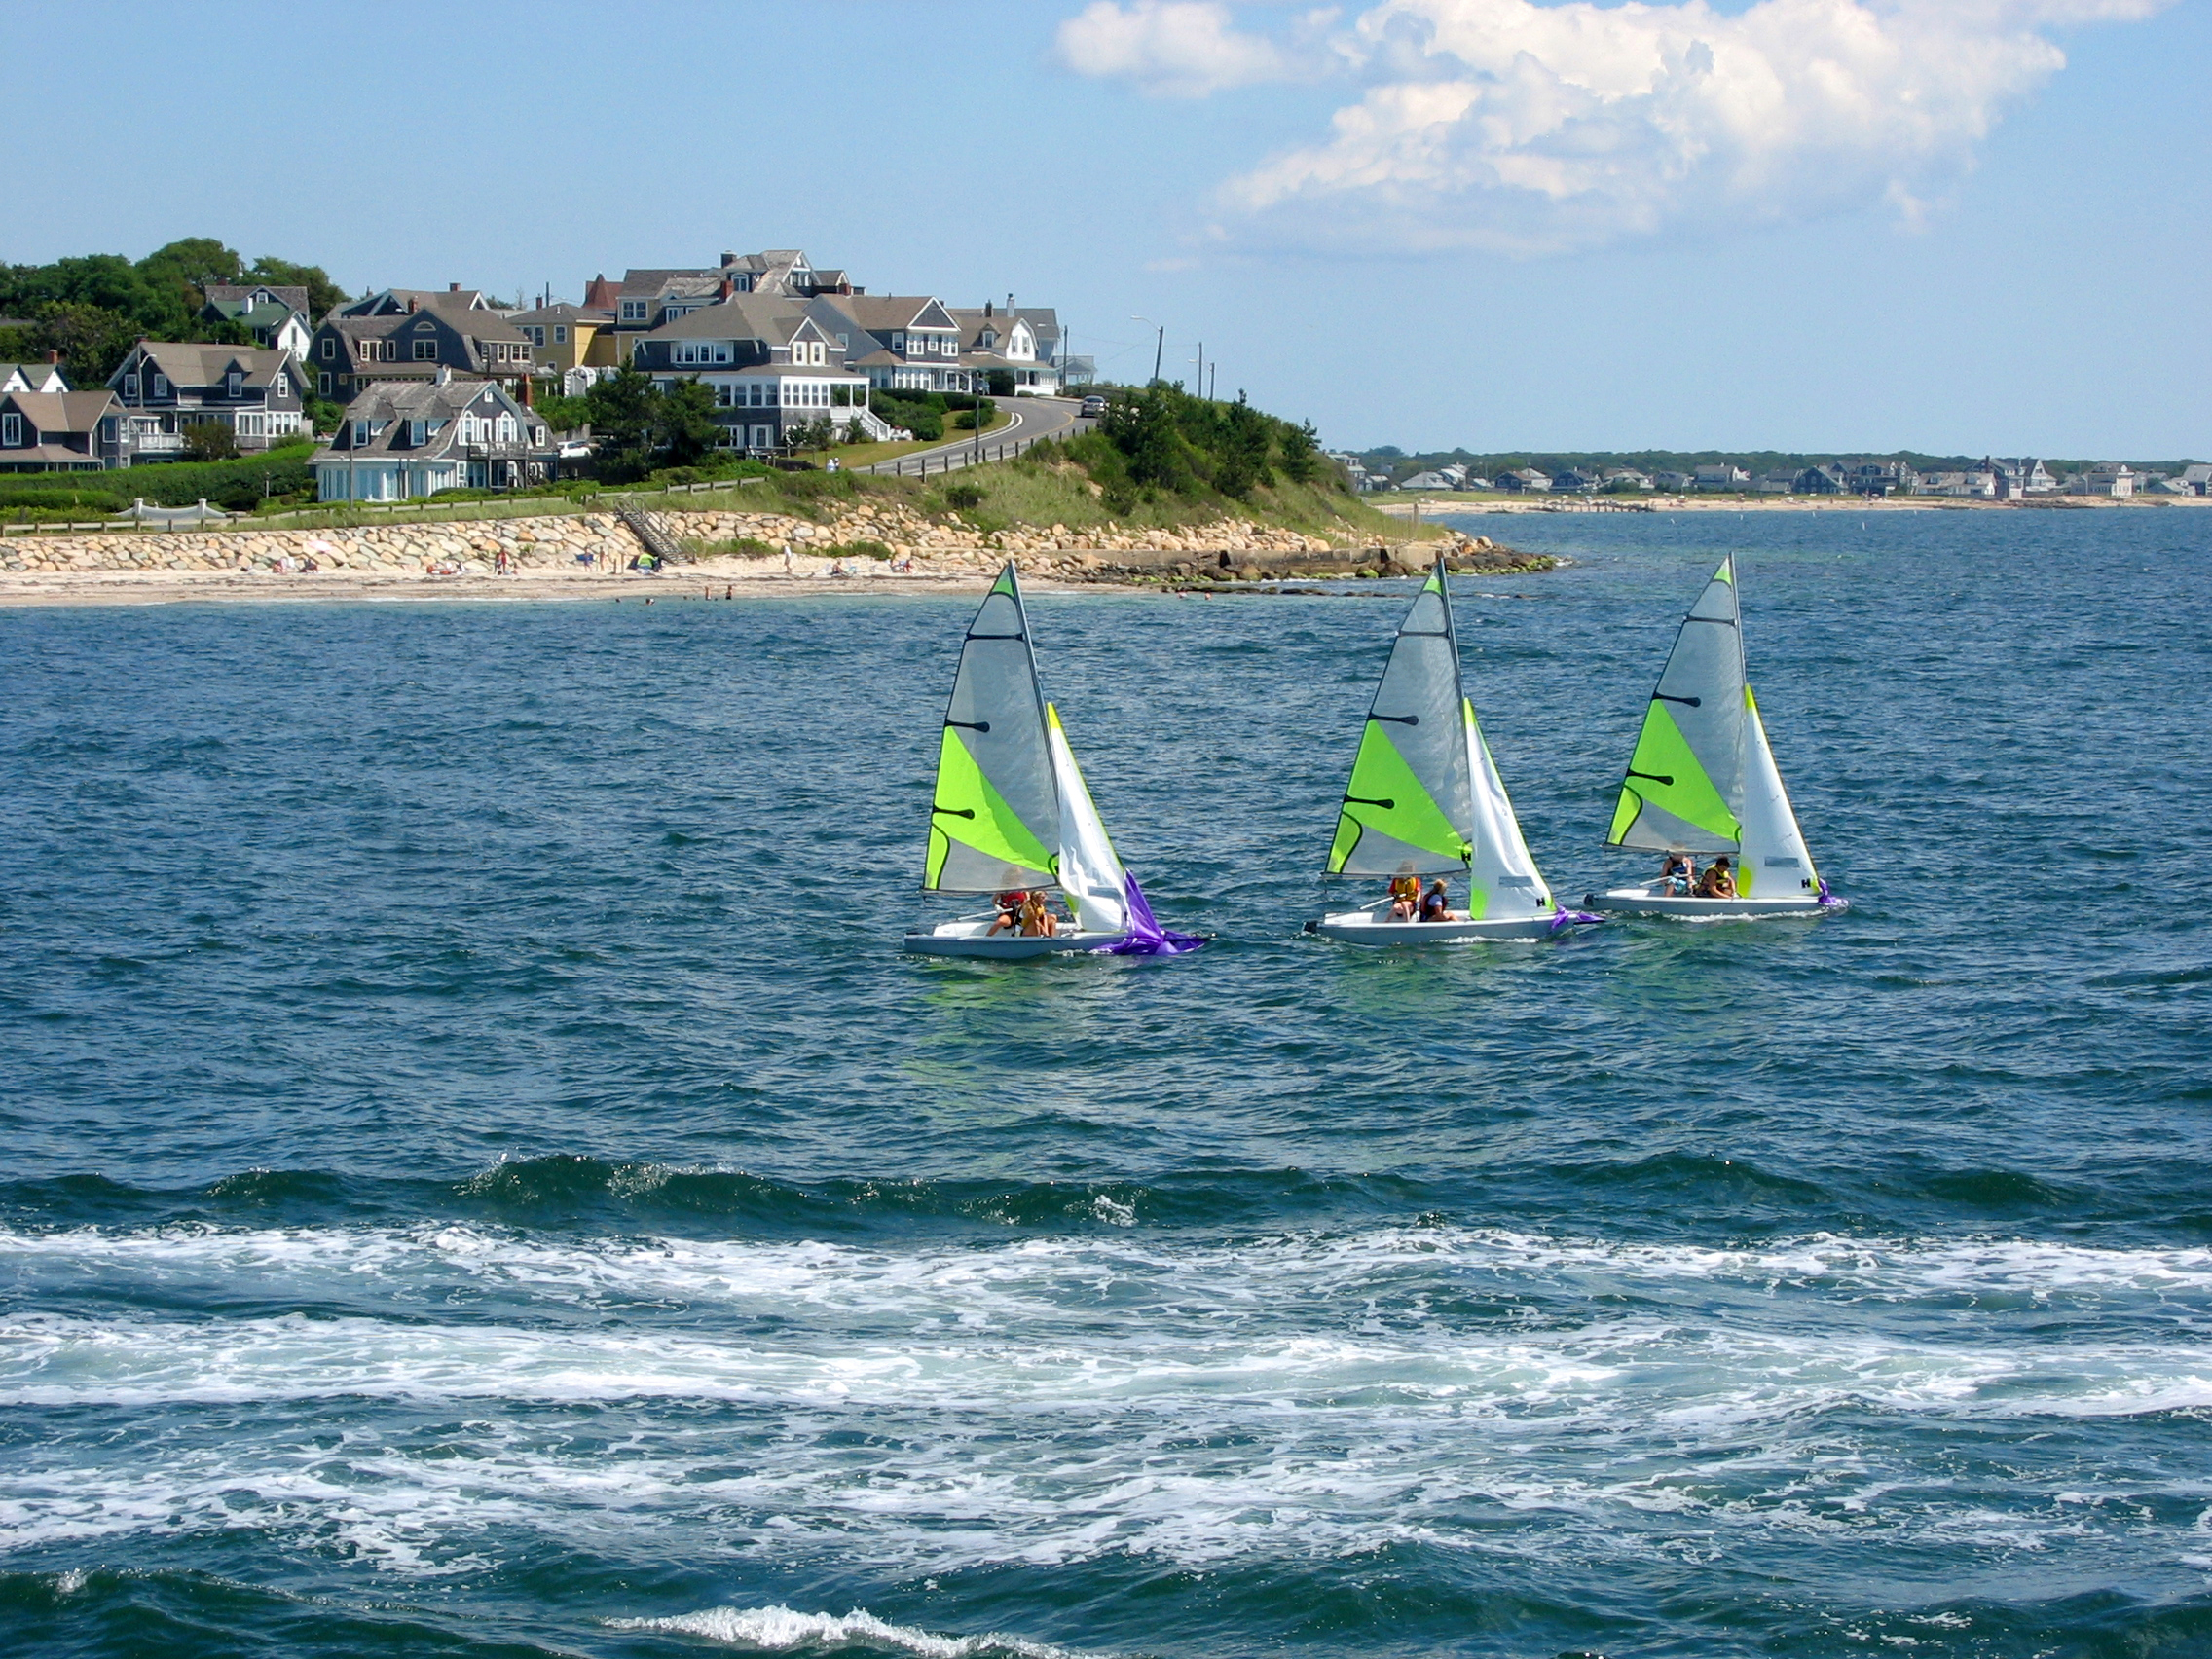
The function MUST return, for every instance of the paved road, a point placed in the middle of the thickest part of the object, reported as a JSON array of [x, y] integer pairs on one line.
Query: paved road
[[1030, 419]]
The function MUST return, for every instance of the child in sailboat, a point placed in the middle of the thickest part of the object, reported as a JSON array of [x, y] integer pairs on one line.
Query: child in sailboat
[[1405, 898], [1679, 875], [1436, 905], [1720, 880]]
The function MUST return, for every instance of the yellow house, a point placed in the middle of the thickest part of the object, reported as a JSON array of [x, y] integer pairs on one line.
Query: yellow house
[[565, 337]]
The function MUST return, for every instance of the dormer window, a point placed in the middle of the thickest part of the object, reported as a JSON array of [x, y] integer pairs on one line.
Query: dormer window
[[361, 434], [632, 310], [283, 385], [329, 349], [418, 433], [234, 383], [130, 385]]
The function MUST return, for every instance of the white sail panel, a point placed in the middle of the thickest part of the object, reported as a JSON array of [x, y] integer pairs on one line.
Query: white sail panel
[[1775, 861], [1502, 878], [1090, 873]]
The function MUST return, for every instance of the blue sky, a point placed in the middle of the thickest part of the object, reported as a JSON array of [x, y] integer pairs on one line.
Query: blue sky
[[1948, 225]]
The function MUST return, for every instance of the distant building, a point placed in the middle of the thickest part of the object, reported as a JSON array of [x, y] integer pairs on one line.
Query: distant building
[[1674, 483], [406, 335], [33, 377], [1429, 481], [995, 342], [1524, 478], [1882, 478], [1724, 476], [2110, 478], [402, 441], [1826, 479], [276, 312], [563, 337], [2197, 477], [61, 432], [1625, 478], [2020, 477], [1576, 481], [165, 387]]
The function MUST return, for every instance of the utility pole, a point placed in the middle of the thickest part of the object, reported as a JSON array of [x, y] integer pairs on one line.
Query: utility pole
[[1200, 387], [1215, 371], [1159, 346]]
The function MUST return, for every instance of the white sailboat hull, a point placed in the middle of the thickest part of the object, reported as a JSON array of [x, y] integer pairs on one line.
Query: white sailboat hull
[[1650, 902], [1362, 927], [974, 939]]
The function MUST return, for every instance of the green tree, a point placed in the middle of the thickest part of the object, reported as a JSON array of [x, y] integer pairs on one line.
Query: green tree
[[91, 338], [209, 440], [685, 429], [624, 410], [1301, 453]]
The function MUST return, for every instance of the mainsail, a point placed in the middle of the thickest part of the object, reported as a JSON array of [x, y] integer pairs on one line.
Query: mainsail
[[1684, 787], [995, 822], [1409, 809]]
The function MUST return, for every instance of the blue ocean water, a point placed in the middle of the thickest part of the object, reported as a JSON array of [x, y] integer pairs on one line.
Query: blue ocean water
[[480, 1178]]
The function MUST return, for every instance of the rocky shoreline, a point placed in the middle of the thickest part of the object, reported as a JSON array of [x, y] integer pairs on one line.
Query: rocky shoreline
[[883, 547]]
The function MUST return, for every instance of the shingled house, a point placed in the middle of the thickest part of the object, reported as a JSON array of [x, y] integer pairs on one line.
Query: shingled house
[[409, 335], [401, 441], [772, 366], [164, 387], [276, 312], [61, 432]]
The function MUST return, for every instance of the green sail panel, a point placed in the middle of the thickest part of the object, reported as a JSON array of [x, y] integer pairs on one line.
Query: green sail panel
[[996, 813], [1408, 808], [1684, 787]]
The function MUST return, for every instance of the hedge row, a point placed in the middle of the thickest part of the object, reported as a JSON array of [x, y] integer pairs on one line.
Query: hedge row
[[236, 486]]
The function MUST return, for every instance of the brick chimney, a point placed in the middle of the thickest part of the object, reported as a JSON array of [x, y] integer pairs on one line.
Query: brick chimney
[[453, 287], [54, 357]]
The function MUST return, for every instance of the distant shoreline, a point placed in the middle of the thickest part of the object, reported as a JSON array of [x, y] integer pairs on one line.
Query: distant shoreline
[[1406, 506]]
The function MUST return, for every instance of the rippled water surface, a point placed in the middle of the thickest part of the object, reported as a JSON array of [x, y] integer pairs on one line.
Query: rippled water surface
[[480, 1179]]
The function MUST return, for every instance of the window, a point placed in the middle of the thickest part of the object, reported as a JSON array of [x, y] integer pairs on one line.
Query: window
[[283, 385], [506, 428], [130, 385], [418, 433], [844, 342], [361, 434], [234, 383], [632, 310], [425, 327], [560, 334], [425, 351], [818, 353], [323, 384], [899, 343], [161, 386], [329, 349], [11, 430]]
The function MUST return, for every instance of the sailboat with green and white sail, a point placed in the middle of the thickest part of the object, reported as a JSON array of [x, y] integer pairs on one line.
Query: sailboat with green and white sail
[[1703, 780], [1425, 800], [1011, 814]]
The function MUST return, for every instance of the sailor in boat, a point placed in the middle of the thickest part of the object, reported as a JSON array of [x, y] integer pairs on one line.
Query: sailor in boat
[[1436, 905], [1405, 898], [1719, 881], [1679, 875]]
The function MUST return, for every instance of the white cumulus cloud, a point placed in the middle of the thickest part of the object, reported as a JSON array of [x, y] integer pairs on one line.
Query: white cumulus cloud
[[1537, 128], [1171, 48]]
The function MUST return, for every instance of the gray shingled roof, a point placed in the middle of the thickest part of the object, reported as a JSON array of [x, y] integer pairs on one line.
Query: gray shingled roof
[[189, 364], [741, 316]]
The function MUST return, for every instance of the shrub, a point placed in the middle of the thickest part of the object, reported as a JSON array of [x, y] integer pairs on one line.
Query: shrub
[[211, 440], [961, 498]]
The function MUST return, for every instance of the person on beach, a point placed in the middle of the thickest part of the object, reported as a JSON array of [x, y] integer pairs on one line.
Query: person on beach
[[1436, 904], [1720, 880]]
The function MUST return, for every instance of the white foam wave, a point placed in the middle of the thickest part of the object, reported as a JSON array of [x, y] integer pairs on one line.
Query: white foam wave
[[780, 1630], [1033, 1279]]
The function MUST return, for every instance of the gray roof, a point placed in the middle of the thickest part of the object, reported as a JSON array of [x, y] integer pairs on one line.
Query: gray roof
[[190, 364], [60, 411], [33, 372], [390, 405], [292, 294], [880, 313], [741, 316]]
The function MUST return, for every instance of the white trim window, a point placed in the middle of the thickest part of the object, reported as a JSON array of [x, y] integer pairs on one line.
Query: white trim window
[[161, 386], [632, 310], [560, 334], [130, 385], [234, 385], [323, 384], [11, 430], [283, 385], [329, 347], [425, 351]]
